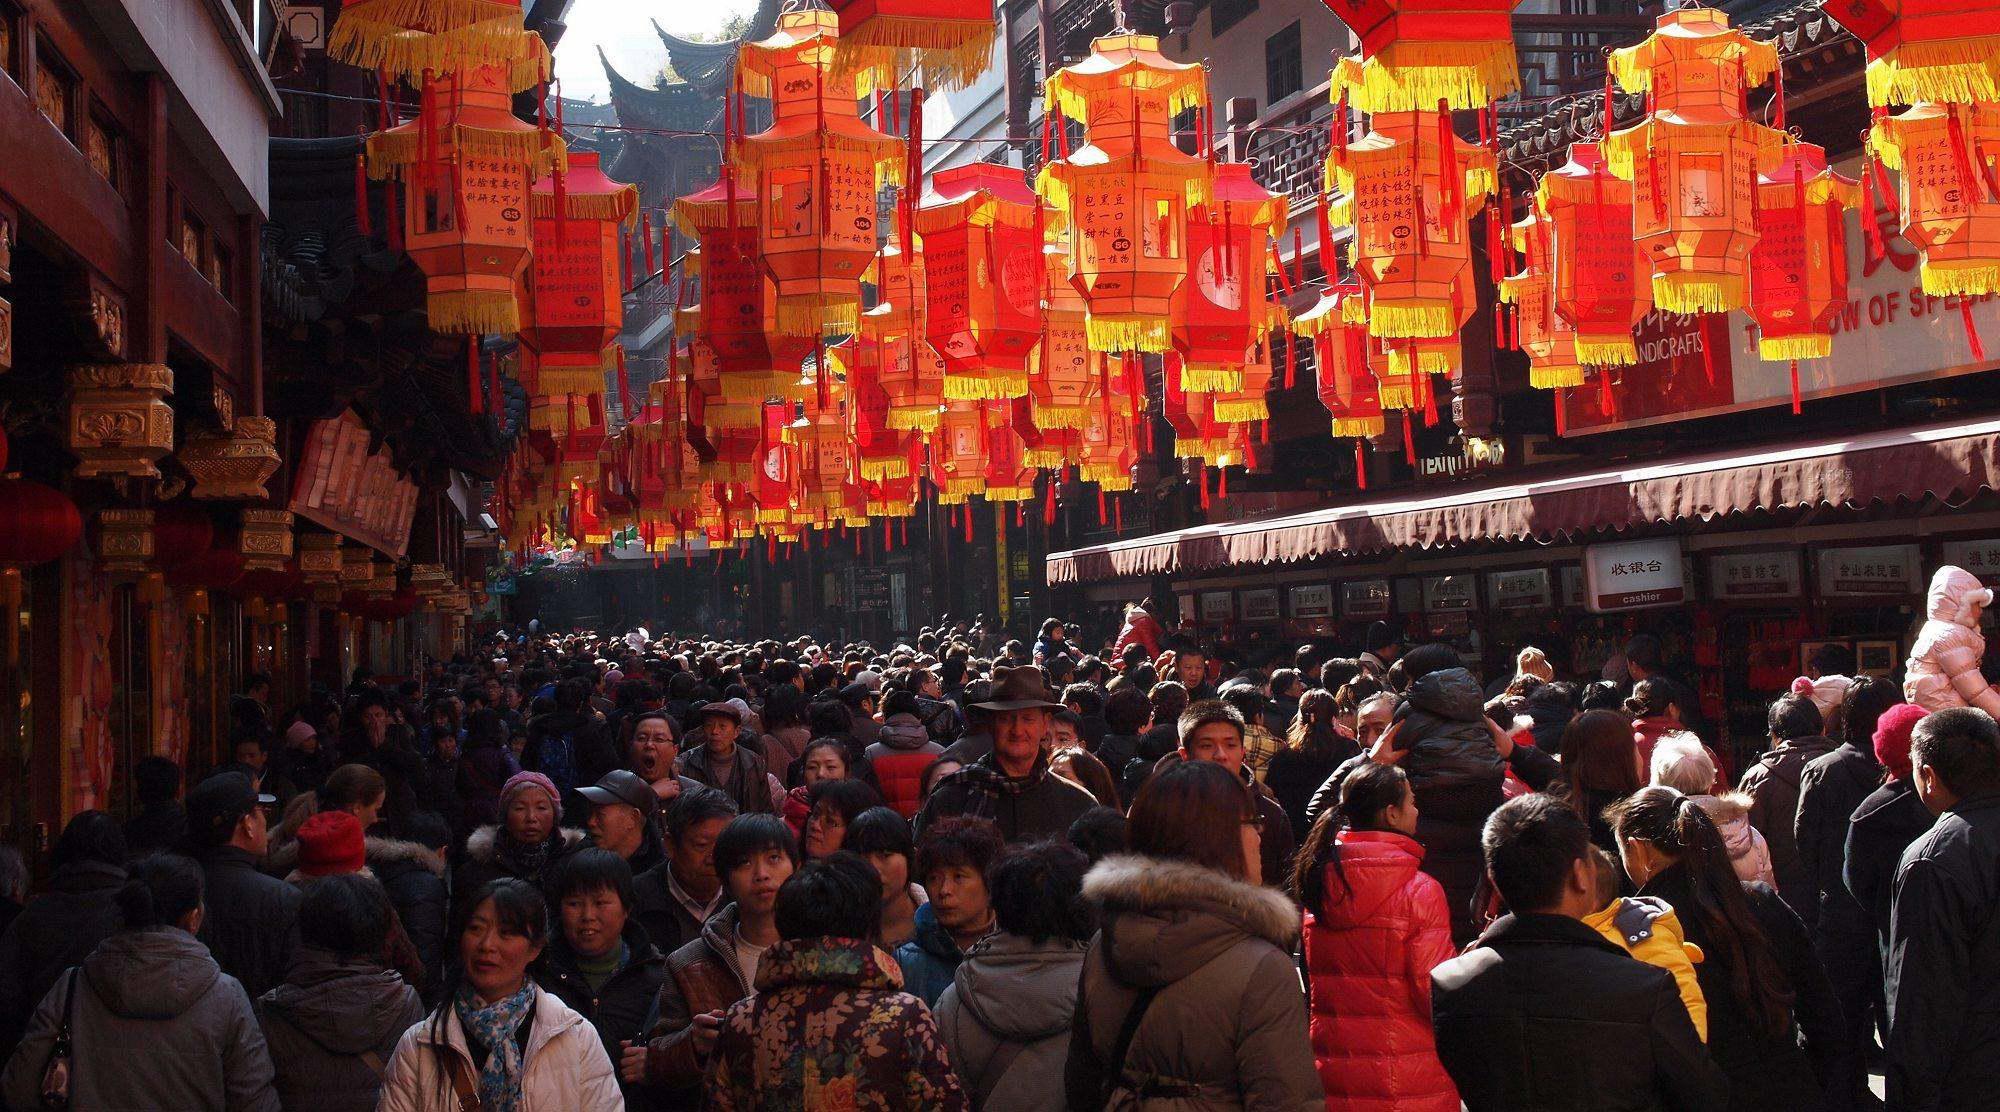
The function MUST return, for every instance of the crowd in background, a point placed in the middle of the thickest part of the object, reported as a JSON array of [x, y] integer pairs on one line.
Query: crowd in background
[[600, 871]]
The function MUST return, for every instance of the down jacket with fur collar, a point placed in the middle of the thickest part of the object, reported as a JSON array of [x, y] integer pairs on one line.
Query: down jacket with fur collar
[[1227, 1026], [564, 1068], [490, 855]]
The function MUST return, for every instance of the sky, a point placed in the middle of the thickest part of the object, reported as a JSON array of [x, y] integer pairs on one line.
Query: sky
[[624, 28]]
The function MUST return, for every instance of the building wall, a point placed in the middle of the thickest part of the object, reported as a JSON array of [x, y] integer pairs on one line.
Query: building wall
[[1236, 57]]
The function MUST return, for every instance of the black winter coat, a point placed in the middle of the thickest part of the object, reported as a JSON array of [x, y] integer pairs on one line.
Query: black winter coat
[[1456, 775], [1885, 824], [592, 754], [1768, 1072], [57, 929], [250, 921], [1943, 975], [160, 826], [1832, 787], [1543, 1013], [414, 879], [322, 1019], [1773, 784], [490, 855], [618, 1011], [655, 908]]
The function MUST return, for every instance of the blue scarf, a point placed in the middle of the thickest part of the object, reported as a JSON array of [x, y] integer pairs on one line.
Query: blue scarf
[[493, 1027]]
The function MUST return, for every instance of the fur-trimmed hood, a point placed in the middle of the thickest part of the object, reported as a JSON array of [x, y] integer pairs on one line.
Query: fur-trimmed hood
[[483, 844], [1165, 919], [283, 860]]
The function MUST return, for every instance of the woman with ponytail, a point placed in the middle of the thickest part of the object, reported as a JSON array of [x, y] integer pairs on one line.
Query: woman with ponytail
[[1764, 985], [152, 1021], [1317, 745], [1375, 927]]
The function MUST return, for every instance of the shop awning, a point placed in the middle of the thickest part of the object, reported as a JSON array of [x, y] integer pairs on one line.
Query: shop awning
[[1950, 462]]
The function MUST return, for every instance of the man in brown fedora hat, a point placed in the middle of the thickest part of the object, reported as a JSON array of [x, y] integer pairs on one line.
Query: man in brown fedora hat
[[1012, 784]]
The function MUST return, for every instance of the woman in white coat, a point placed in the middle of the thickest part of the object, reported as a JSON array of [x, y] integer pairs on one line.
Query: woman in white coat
[[496, 1038]]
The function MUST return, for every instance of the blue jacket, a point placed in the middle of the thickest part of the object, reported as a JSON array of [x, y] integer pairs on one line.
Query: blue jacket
[[929, 959]]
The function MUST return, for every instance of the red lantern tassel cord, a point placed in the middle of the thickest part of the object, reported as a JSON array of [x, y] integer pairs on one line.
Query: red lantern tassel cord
[[1409, 440], [1118, 515], [1971, 330], [1361, 463], [646, 235], [1797, 408], [624, 389], [362, 222], [966, 516], [475, 380]]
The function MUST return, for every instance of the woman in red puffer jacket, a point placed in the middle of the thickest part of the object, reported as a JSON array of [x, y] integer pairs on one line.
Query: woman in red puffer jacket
[[1375, 926]]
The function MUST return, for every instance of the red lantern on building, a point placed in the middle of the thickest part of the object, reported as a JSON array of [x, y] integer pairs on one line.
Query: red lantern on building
[[983, 275], [1798, 270], [1415, 53], [1950, 209], [1602, 282], [1223, 309], [1409, 195], [1693, 160], [1341, 352], [577, 304], [1125, 193], [42, 525], [466, 163], [1926, 50], [816, 170]]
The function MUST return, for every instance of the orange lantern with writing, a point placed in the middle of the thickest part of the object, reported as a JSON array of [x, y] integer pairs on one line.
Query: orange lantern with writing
[[816, 170], [738, 309], [1009, 475], [1223, 307], [1798, 270], [576, 297], [1926, 50], [882, 452], [1602, 282], [1341, 352], [1547, 339], [958, 452], [909, 371], [826, 447], [412, 39], [466, 163], [1408, 188], [1948, 196], [950, 41], [1415, 53], [983, 278], [1110, 449], [1061, 381], [1125, 193], [1693, 161]]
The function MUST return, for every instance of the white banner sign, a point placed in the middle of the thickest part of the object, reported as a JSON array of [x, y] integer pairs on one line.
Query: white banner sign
[[1755, 575], [1890, 570], [1634, 575]]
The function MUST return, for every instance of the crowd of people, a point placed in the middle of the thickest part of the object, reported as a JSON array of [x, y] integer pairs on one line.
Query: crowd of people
[[585, 871]]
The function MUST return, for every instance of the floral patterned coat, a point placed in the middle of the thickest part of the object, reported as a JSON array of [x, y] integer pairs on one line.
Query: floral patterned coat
[[830, 1030]]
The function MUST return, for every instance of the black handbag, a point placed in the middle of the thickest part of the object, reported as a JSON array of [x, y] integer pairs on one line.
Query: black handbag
[[56, 1071]]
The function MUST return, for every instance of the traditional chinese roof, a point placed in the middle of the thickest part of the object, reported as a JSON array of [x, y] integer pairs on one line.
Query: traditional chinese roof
[[708, 65]]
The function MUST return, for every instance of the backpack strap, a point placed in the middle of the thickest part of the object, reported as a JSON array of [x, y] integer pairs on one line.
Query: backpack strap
[[996, 1067], [1114, 1072]]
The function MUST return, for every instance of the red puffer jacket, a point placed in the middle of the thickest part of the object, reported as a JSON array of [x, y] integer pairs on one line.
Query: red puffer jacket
[[1369, 960]]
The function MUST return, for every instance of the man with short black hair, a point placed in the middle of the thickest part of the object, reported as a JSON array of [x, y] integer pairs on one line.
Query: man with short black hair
[[251, 924], [1542, 1012], [1943, 972], [675, 897]]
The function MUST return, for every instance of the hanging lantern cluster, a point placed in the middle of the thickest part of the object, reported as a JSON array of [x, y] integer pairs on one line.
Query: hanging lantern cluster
[[983, 278]]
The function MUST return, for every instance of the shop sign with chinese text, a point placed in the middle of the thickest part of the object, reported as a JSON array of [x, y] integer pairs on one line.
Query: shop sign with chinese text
[[1981, 558], [1890, 570], [1365, 598], [1217, 606], [1634, 575], [1260, 605], [1755, 575], [1444, 593], [1519, 589], [1314, 600]]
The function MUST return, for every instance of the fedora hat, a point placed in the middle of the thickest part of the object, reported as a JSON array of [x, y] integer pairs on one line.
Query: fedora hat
[[1019, 689]]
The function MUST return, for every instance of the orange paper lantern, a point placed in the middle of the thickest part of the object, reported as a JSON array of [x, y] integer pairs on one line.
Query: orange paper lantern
[[983, 278], [1926, 50], [909, 371], [1341, 352], [1603, 283], [1547, 339], [1222, 308], [950, 41], [1694, 159], [958, 452], [1061, 382], [576, 298], [737, 314], [412, 39], [1798, 270], [816, 170], [1125, 193], [1415, 53], [1950, 208]]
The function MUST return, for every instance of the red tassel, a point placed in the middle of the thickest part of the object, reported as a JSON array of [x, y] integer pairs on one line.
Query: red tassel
[[1708, 354], [392, 210], [624, 386], [966, 511], [646, 235], [903, 530], [1201, 477], [1607, 401], [1562, 416], [1278, 262], [1971, 330], [1409, 441], [1020, 515], [1796, 407], [496, 401], [362, 222], [1102, 513], [1871, 221], [1291, 361], [1049, 505], [1222, 482], [1118, 515], [857, 542], [625, 249], [475, 382], [1430, 399], [1361, 462]]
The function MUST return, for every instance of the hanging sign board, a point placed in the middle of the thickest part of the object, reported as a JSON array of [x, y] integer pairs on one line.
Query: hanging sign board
[[1890, 570], [1314, 600], [1520, 589], [1634, 575], [1217, 606], [1572, 585], [1260, 605], [1446, 593], [1981, 558], [1364, 598], [1755, 575]]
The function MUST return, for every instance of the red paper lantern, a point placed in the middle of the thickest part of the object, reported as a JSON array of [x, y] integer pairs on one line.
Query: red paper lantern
[[1061, 379], [1547, 339], [908, 370], [1342, 353], [1222, 309], [1950, 211], [576, 296], [1198, 434], [42, 523], [1926, 50], [958, 452], [1798, 270], [1415, 53], [1603, 283], [983, 275]]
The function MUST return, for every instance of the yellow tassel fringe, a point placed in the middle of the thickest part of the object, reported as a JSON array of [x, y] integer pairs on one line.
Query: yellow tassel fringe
[[1414, 76], [818, 314], [717, 471], [1975, 276], [1200, 447], [561, 381], [964, 485], [378, 38], [1397, 396], [1242, 410], [1952, 71], [952, 53], [1210, 379], [882, 470], [922, 419], [620, 207], [1699, 293], [1606, 351], [1405, 321], [1146, 334], [1047, 459], [1781, 349], [1358, 426], [1550, 378], [473, 312], [991, 386], [1049, 416]]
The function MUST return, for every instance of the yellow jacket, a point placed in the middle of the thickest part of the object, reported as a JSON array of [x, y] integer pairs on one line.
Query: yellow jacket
[[1650, 931]]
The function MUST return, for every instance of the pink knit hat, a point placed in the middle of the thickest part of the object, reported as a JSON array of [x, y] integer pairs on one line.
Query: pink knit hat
[[523, 781], [1892, 737]]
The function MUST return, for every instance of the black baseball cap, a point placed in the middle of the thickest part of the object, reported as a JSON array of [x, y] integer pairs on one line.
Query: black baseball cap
[[621, 786], [218, 803]]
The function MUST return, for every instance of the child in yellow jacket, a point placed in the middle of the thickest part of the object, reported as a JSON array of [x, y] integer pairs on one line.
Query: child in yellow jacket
[[1648, 929]]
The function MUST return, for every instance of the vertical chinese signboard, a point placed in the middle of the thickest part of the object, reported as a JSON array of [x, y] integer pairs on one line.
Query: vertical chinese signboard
[[344, 486]]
